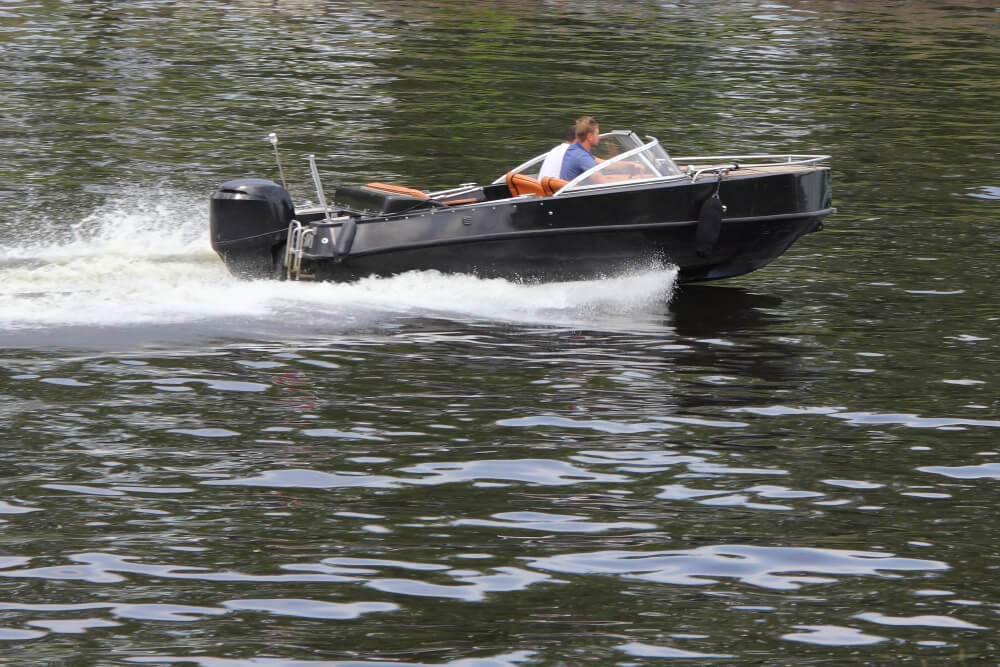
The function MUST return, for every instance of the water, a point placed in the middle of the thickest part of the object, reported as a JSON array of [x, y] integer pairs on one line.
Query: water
[[799, 466]]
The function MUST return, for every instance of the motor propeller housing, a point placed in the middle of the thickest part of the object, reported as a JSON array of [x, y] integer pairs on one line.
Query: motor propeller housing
[[248, 219]]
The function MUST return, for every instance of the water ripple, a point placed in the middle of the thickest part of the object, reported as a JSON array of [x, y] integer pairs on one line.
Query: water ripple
[[504, 660], [12, 634], [928, 621], [981, 471], [720, 497], [555, 523], [657, 460], [914, 421], [601, 425], [309, 479], [8, 508], [135, 611], [832, 635], [379, 562], [635, 458], [310, 608], [104, 568], [76, 626], [756, 566], [211, 383], [473, 586], [641, 650], [871, 418], [532, 471]]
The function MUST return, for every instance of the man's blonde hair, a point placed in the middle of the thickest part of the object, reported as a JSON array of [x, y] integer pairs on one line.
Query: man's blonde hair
[[585, 126]]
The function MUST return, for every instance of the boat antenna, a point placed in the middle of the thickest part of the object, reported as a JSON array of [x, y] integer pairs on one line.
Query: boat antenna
[[273, 138]]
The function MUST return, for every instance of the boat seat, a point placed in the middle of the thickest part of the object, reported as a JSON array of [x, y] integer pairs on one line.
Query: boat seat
[[399, 190], [419, 194], [521, 184], [383, 199], [551, 184]]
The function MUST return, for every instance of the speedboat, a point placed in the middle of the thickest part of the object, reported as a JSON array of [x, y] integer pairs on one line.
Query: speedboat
[[712, 217]]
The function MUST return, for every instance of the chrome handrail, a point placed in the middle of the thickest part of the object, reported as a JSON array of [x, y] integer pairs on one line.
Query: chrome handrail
[[735, 162], [785, 158], [460, 190]]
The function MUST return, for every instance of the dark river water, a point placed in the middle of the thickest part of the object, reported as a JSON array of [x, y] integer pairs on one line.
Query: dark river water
[[799, 466]]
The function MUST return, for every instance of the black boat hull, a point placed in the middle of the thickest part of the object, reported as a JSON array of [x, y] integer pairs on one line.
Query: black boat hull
[[592, 252], [580, 235]]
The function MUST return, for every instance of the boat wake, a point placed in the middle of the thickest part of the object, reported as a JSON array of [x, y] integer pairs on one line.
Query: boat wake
[[141, 271]]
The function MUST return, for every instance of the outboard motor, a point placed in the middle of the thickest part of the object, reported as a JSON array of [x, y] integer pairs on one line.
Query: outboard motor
[[249, 221]]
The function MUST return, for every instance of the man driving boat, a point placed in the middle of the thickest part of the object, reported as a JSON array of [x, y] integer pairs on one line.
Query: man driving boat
[[578, 157]]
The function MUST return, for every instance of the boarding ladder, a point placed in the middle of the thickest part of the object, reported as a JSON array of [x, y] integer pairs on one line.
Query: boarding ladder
[[298, 238]]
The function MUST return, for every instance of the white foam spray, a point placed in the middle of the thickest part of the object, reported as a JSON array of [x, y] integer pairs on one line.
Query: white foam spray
[[145, 261]]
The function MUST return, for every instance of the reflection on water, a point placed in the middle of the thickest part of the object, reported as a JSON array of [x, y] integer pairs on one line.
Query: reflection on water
[[708, 310], [799, 465]]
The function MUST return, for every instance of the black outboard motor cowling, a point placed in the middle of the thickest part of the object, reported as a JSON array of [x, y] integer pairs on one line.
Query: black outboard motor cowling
[[249, 221]]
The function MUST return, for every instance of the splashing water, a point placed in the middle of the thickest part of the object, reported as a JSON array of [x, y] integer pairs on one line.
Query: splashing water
[[146, 261]]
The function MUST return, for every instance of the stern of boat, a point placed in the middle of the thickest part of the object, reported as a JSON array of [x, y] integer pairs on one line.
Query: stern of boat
[[249, 221]]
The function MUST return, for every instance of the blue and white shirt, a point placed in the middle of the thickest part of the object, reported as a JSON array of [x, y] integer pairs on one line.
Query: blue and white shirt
[[552, 165], [576, 161]]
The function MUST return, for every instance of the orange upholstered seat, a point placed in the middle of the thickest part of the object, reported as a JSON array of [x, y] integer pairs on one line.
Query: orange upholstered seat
[[520, 184], [550, 184]]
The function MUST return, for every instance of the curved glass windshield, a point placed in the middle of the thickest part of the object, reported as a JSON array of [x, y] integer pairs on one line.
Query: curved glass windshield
[[622, 157], [615, 143], [612, 144], [649, 161]]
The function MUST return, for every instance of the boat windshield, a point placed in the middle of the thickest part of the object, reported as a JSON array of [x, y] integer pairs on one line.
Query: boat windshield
[[612, 143], [639, 163], [615, 143], [624, 158]]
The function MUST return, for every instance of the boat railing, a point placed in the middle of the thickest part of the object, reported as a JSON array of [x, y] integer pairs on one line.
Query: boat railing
[[757, 160], [775, 158], [464, 188], [692, 167], [695, 166]]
